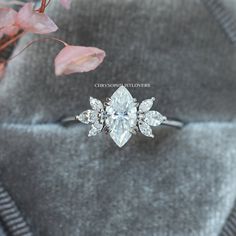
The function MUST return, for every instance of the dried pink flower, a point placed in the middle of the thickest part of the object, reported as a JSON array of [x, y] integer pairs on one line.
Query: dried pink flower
[[33, 21], [72, 59], [65, 3], [7, 22]]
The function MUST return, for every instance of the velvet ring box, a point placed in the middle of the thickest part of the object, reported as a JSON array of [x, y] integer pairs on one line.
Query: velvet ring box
[[182, 182]]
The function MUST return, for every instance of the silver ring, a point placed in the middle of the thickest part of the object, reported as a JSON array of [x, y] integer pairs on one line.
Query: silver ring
[[121, 116]]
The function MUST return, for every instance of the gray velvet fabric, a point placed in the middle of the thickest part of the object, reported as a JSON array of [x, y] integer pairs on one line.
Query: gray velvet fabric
[[230, 225], [69, 184], [178, 184], [1, 231], [230, 5]]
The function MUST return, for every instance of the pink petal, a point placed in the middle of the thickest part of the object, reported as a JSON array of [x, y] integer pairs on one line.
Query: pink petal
[[7, 17], [66, 3], [72, 59], [34, 22], [7, 21], [10, 30]]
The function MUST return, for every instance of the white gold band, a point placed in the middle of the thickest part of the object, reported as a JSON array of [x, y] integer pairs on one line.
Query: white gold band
[[175, 123]]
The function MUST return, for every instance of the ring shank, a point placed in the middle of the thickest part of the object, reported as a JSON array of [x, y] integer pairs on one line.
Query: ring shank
[[68, 120], [175, 123]]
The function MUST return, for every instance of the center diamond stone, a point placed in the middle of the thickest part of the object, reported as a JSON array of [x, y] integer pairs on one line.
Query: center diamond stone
[[121, 116]]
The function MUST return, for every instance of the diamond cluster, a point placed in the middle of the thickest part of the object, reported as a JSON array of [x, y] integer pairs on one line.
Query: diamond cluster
[[121, 116]]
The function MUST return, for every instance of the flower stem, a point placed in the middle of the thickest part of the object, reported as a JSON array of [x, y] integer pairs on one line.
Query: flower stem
[[43, 6], [35, 41], [12, 40], [48, 3]]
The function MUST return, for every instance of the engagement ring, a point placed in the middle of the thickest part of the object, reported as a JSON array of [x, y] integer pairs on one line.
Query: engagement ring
[[121, 116]]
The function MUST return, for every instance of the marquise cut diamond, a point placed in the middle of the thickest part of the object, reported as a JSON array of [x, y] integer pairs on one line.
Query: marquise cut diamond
[[96, 129], [96, 104], [89, 116], [154, 118], [146, 105], [121, 116], [145, 129]]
